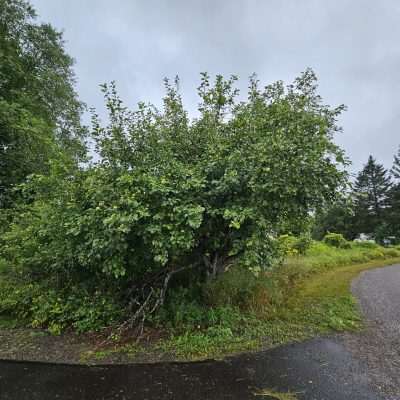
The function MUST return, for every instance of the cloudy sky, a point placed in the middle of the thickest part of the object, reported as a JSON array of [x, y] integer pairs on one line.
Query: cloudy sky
[[353, 46]]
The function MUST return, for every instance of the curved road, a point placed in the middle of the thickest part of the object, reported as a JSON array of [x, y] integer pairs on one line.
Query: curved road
[[352, 367], [378, 347]]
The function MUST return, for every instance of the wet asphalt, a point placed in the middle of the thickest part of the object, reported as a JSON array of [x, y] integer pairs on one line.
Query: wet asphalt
[[378, 346], [319, 369]]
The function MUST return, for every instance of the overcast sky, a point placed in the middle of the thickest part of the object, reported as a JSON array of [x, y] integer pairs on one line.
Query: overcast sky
[[352, 45]]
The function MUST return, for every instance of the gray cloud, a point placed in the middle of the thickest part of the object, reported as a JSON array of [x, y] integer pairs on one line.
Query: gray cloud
[[353, 45]]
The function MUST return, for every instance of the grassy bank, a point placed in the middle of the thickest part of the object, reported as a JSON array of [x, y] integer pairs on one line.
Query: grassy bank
[[308, 295]]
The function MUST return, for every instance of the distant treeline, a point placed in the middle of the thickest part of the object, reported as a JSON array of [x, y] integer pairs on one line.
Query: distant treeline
[[370, 208]]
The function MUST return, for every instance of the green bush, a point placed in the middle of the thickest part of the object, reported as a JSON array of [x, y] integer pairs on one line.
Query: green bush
[[303, 243], [336, 240], [391, 252], [287, 245], [292, 245], [171, 193], [233, 289], [3, 266], [181, 310], [187, 308], [42, 306]]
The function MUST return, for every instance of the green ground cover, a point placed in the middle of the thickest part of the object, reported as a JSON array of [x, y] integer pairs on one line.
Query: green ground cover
[[308, 295]]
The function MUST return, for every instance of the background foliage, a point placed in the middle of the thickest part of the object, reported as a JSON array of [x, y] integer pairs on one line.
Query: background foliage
[[371, 207]]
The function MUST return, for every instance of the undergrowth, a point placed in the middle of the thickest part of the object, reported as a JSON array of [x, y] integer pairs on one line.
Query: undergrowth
[[307, 295]]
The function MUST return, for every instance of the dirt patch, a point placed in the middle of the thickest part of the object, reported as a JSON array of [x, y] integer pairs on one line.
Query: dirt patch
[[39, 345], [27, 344]]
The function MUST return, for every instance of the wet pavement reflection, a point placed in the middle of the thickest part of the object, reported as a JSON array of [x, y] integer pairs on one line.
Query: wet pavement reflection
[[319, 369]]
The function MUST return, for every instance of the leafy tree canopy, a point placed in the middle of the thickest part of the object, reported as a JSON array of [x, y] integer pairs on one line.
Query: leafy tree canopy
[[39, 110], [171, 193]]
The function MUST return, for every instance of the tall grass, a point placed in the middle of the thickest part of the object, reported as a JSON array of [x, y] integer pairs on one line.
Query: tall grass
[[306, 296], [321, 257]]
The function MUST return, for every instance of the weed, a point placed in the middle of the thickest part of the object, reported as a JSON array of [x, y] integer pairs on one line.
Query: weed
[[273, 395], [129, 350]]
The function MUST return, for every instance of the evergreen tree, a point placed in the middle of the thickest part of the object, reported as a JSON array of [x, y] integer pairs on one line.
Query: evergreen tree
[[396, 165], [394, 199], [371, 192], [393, 212]]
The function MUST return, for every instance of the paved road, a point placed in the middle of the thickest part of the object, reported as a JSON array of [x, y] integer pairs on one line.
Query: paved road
[[319, 369], [378, 347]]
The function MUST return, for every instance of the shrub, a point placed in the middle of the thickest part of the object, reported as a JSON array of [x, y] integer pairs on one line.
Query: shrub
[[303, 243], [336, 240], [292, 245], [235, 288], [187, 313], [170, 194], [287, 245], [182, 309], [42, 306], [391, 252]]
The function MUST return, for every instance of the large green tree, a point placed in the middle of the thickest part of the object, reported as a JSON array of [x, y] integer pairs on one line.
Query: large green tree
[[371, 191], [39, 109], [170, 193]]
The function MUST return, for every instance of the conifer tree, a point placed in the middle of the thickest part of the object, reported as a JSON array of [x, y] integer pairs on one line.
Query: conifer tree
[[394, 199], [396, 165], [371, 192]]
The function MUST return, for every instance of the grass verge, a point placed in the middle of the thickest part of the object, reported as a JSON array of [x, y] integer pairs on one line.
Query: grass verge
[[308, 296], [317, 302]]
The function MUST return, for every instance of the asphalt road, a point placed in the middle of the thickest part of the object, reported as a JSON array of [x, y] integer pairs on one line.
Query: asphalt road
[[351, 367], [378, 347]]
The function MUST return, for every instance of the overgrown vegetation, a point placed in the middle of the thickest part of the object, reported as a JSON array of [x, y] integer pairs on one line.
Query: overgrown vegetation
[[198, 227], [171, 199], [309, 295]]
